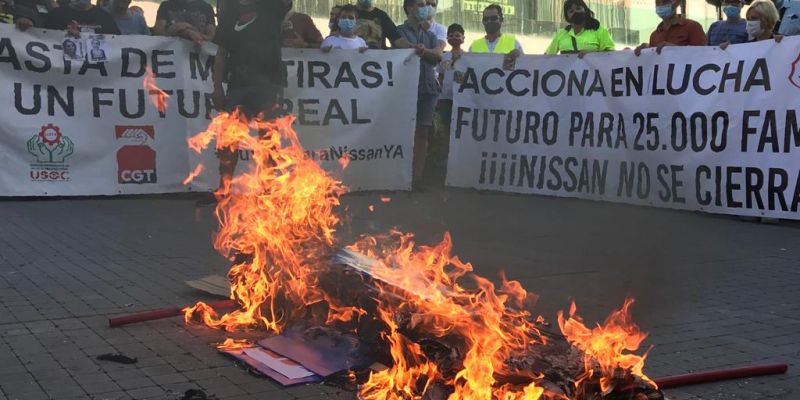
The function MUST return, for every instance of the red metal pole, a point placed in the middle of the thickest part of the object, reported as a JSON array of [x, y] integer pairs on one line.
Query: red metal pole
[[160, 314], [719, 375]]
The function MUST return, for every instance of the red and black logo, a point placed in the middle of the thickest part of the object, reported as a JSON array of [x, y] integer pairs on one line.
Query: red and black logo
[[136, 160], [794, 76]]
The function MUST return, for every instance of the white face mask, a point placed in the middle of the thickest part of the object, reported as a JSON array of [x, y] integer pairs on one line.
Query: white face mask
[[753, 29]]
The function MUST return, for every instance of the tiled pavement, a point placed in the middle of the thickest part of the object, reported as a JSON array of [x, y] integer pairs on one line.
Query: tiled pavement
[[713, 291]]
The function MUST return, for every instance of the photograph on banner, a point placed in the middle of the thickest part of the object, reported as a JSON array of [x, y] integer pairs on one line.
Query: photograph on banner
[[73, 49], [97, 48], [693, 128]]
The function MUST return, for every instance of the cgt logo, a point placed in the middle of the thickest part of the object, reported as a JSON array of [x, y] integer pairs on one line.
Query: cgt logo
[[794, 76], [136, 161]]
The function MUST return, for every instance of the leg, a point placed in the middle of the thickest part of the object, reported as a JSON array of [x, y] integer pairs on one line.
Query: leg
[[420, 151], [228, 158]]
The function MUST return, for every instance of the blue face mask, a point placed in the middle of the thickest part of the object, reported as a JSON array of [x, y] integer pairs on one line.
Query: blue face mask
[[423, 13], [664, 11], [365, 3], [732, 12], [347, 25]]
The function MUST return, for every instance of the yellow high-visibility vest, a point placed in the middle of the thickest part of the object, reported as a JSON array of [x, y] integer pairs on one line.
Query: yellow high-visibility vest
[[505, 44]]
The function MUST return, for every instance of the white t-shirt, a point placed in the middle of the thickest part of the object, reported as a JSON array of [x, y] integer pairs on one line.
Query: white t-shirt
[[344, 43], [440, 31]]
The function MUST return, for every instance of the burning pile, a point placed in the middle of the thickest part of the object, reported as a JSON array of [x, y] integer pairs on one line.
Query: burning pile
[[446, 331]]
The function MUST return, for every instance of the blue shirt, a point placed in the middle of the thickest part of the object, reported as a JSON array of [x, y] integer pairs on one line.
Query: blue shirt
[[727, 31], [428, 84], [790, 24], [133, 24]]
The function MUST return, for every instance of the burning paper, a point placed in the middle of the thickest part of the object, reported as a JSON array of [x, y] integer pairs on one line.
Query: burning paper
[[449, 332]]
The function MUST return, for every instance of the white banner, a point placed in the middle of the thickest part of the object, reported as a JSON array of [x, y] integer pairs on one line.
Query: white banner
[[92, 128], [693, 128]]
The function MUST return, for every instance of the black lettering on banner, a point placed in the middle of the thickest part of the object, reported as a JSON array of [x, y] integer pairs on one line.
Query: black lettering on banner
[[37, 99], [648, 128], [547, 77], [67, 105], [485, 78], [318, 71], [576, 85], [759, 76], [86, 66], [182, 104], [31, 49], [334, 111], [127, 63], [158, 65], [735, 75], [97, 101], [11, 57], [346, 75], [556, 183], [687, 71], [371, 69], [670, 188], [470, 82], [704, 91], [199, 69], [703, 198], [754, 180], [791, 131], [123, 104], [355, 120], [775, 190], [633, 175], [304, 110], [730, 186], [510, 82]]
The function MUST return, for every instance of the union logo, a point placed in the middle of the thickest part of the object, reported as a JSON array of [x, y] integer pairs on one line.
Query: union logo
[[50, 146]]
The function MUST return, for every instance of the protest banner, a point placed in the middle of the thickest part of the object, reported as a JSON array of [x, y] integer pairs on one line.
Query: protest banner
[[78, 126], [694, 128]]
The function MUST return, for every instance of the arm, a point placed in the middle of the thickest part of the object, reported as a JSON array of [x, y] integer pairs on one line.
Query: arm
[[313, 35], [209, 33], [434, 55], [552, 49], [161, 27]]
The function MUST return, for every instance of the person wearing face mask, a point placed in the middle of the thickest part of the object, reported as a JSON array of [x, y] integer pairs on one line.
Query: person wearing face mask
[[429, 49], [249, 59], [376, 27], [298, 29], [732, 29], [674, 29], [346, 38], [495, 40], [762, 16], [189, 19], [583, 34], [81, 16], [438, 29]]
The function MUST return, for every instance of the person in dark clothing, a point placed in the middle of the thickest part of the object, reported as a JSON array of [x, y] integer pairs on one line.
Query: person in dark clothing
[[86, 16], [190, 19], [25, 13], [376, 27], [249, 58]]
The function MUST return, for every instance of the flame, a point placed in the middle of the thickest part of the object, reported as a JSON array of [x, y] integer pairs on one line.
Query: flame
[[234, 344], [385, 199], [276, 224], [371, 208], [606, 347], [157, 96], [436, 298], [344, 161], [194, 174]]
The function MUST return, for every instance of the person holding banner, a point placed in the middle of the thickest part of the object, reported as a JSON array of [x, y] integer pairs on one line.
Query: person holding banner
[[429, 49], [675, 29], [81, 16], [249, 58], [25, 14], [346, 38], [762, 17], [583, 34], [495, 40]]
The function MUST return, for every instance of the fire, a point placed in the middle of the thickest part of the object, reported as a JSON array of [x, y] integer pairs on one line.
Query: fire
[[442, 297], [157, 96], [385, 199], [194, 174], [278, 225], [234, 344], [606, 347]]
